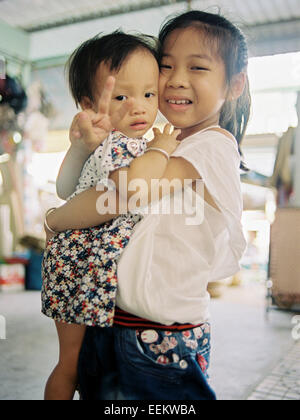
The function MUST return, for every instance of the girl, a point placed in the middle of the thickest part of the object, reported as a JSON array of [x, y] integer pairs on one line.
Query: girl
[[79, 267], [161, 333]]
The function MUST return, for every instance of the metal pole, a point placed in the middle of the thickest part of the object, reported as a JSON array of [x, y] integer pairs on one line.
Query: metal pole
[[189, 4], [296, 200]]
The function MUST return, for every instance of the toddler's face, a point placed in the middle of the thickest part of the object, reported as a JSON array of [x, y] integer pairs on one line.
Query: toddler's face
[[138, 80]]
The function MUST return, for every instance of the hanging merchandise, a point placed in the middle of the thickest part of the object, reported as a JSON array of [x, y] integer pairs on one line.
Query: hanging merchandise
[[37, 119], [12, 94], [6, 236], [24, 122], [38, 114], [13, 100], [282, 178]]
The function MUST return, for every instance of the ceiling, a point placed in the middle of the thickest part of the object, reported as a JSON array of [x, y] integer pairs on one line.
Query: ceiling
[[37, 15], [54, 28]]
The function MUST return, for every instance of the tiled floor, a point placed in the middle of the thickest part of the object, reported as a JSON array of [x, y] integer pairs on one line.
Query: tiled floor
[[245, 348], [283, 383]]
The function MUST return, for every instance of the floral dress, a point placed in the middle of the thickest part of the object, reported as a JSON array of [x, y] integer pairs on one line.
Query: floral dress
[[79, 267]]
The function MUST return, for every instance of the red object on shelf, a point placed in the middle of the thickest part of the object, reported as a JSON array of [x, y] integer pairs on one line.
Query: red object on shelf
[[16, 260], [12, 274]]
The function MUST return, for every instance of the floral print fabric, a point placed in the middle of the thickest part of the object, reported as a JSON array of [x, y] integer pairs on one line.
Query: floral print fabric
[[79, 267]]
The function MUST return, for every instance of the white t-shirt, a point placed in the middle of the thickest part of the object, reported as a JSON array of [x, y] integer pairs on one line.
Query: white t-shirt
[[165, 269]]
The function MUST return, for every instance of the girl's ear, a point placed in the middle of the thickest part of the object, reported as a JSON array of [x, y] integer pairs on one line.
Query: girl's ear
[[86, 103], [238, 85]]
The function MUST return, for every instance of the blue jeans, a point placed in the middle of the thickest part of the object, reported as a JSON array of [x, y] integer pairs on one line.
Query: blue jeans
[[127, 364]]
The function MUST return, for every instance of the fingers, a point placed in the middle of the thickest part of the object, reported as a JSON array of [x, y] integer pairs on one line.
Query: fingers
[[74, 124], [105, 98], [76, 134], [74, 129], [84, 125], [150, 143], [176, 133], [156, 131], [94, 117], [167, 139], [167, 129]]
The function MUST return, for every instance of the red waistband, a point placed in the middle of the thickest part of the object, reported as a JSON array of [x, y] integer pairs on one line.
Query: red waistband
[[124, 319]]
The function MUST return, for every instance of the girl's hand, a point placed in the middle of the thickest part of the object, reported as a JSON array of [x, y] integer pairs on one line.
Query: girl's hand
[[166, 140], [89, 128]]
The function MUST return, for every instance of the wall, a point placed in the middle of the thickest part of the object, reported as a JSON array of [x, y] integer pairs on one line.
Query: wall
[[15, 47]]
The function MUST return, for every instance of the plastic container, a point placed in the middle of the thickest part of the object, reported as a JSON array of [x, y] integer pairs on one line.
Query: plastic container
[[33, 279]]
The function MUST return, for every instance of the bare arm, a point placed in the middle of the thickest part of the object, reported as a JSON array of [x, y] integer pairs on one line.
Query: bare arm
[[147, 168], [70, 171], [81, 212], [85, 210]]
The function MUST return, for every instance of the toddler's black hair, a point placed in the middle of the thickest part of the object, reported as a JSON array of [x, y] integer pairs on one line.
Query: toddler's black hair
[[112, 49]]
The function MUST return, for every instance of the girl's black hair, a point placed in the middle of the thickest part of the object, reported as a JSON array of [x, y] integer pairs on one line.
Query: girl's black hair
[[112, 49], [232, 47]]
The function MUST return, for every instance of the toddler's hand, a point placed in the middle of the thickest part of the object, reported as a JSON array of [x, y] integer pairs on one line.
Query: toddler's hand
[[88, 131], [166, 140]]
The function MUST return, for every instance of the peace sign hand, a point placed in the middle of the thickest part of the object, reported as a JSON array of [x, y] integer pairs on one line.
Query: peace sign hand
[[89, 128]]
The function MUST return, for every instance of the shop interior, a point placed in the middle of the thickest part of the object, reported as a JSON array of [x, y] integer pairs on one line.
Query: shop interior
[[36, 110]]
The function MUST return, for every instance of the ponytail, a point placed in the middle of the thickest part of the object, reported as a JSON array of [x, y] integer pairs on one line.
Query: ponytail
[[235, 116]]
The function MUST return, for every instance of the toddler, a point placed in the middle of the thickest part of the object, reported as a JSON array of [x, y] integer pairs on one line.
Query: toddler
[[80, 266]]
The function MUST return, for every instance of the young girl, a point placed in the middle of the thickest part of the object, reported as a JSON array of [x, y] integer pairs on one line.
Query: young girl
[[161, 334], [80, 267]]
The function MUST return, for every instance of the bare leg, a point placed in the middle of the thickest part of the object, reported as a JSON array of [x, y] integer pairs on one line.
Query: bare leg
[[62, 382]]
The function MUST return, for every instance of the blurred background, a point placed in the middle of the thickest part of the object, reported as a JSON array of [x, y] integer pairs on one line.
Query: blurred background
[[36, 109]]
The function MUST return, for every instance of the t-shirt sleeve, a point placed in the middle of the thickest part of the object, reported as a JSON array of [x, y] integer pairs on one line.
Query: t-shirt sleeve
[[217, 160]]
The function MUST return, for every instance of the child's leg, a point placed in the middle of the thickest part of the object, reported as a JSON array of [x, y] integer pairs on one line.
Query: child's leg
[[62, 382]]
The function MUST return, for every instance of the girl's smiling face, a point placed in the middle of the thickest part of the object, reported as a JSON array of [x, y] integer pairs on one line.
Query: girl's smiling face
[[192, 83]]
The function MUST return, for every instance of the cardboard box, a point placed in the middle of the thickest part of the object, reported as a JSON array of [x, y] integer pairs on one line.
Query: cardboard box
[[284, 257]]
